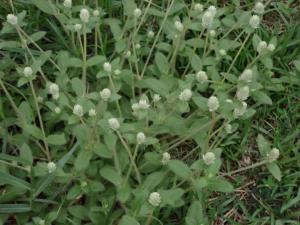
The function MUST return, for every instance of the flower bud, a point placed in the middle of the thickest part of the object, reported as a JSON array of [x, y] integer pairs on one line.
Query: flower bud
[[178, 26], [165, 158], [27, 71], [262, 46], [57, 110], [84, 15], [259, 8], [271, 47], [137, 46], [53, 89], [51, 166], [117, 72], [107, 67], [96, 13], [114, 123], [150, 34], [186, 95], [154, 199], [137, 13], [78, 27], [143, 104], [207, 19], [222, 52], [140, 138], [127, 54], [273, 155], [254, 21], [246, 75], [198, 7], [240, 111], [105, 94], [228, 128], [209, 158], [67, 4], [156, 98], [12, 19], [243, 93], [92, 112], [201, 77], [212, 9], [78, 110], [213, 103], [212, 33]]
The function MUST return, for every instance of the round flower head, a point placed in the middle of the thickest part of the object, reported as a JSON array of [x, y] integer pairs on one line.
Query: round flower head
[[114, 123], [117, 72], [213, 103], [143, 104], [137, 46], [198, 7], [105, 94], [51, 166], [212, 9], [96, 13], [243, 93], [207, 19], [78, 110], [201, 77], [12, 19], [240, 111], [135, 107], [254, 21], [259, 8], [222, 52], [140, 138], [137, 13], [212, 33], [57, 110], [92, 112], [150, 34], [84, 15], [27, 71], [107, 67], [78, 27], [262, 45], [209, 158], [246, 75], [186, 95], [271, 47], [178, 26], [128, 54], [273, 155], [156, 98], [165, 158], [228, 128], [40, 99], [67, 4], [154, 199], [53, 89]]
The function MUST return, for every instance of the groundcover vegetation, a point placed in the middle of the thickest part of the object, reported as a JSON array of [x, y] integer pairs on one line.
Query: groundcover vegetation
[[149, 112]]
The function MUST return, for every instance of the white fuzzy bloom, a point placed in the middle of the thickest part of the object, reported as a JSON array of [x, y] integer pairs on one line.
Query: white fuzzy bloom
[[127, 54], [96, 12], [78, 27], [243, 93], [53, 89], [165, 158], [140, 138], [178, 26], [143, 104], [247, 75], [259, 8], [154, 199], [27, 71], [150, 34], [135, 107], [273, 155], [222, 52], [238, 112], [198, 7], [57, 110], [114, 123], [55, 96], [213, 103], [117, 72], [84, 15], [228, 128], [105, 94], [186, 95], [209, 158], [271, 47], [207, 19], [107, 67], [212, 33], [51, 166], [78, 110], [67, 4], [12, 19], [201, 77], [262, 45], [254, 21], [40, 99], [137, 13], [212, 9], [156, 98], [229, 101], [92, 112], [137, 46]]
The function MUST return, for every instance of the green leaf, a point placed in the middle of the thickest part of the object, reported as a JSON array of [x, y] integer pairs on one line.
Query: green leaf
[[162, 63], [14, 208], [220, 184], [297, 64], [95, 60], [274, 170], [56, 139], [172, 197], [77, 86], [83, 160], [153, 180], [37, 36], [263, 145], [6, 178], [195, 214], [33, 130], [180, 169], [128, 220], [45, 6], [115, 28], [103, 151], [26, 154], [111, 175], [156, 85], [261, 97]]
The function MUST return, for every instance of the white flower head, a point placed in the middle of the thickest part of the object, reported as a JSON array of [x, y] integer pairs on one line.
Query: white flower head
[[57, 110], [262, 46], [143, 104], [240, 111], [212, 33], [114, 123], [135, 107], [140, 138], [229, 101], [243, 93], [212, 9], [40, 99], [178, 26], [96, 13], [78, 27], [259, 8], [53, 89], [117, 72], [271, 47], [51, 166], [107, 67], [156, 98], [105, 94], [154, 199], [150, 34], [207, 19], [27, 71], [92, 112], [67, 4], [213, 103], [165, 158], [247, 75], [209, 158], [127, 54], [78, 110], [186, 95], [273, 155], [222, 52], [228, 128], [12, 19], [137, 46], [55, 96], [254, 21], [137, 13], [201, 77], [84, 15], [198, 7]]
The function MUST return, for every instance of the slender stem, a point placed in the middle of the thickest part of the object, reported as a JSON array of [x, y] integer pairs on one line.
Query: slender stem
[[84, 57], [134, 156], [114, 90], [245, 168]]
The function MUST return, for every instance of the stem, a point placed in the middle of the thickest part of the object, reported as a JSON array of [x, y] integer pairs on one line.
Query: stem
[[134, 156], [84, 56], [114, 90], [245, 168]]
